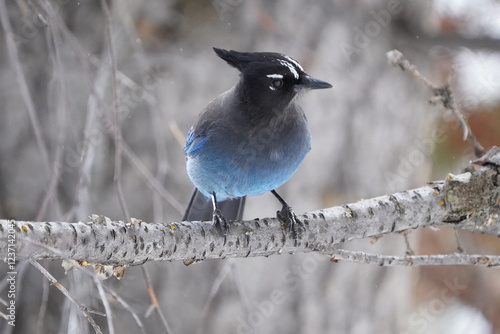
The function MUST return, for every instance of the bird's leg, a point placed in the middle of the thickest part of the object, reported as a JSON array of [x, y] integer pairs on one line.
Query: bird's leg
[[218, 219], [288, 217]]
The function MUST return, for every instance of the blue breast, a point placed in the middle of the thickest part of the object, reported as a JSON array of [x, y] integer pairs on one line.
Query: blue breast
[[234, 164]]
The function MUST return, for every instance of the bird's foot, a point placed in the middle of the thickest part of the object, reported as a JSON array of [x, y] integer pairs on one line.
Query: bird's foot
[[220, 222], [290, 222]]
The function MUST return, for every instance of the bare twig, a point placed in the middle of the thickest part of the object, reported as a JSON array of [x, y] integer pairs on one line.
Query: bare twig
[[409, 249], [126, 306], [240, 288], [154, 300], [216, 284], [460, 247], [53, 43], [88, 147], [23, 86], [116, 113], [115, 295], [128, 24], [442, 95], [396, 58], [416, 260], [43, 306], [152, 182], [105, 303], [65, 292]]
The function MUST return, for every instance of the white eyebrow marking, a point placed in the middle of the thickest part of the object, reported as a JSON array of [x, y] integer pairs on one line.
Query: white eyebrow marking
[[290, 67], [293, 61], [275, 76]]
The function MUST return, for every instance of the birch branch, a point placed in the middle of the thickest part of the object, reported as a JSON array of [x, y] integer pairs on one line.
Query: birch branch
[[417, 260], [469, 201]]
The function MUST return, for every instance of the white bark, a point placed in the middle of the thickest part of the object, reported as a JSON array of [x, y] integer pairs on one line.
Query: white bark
[[468, 201]]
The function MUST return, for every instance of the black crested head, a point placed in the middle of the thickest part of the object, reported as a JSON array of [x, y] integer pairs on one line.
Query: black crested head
[[248, 62], [269, 79], [245, 60]]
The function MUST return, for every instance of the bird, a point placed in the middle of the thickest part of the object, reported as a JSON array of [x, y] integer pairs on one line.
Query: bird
[[250, 139]]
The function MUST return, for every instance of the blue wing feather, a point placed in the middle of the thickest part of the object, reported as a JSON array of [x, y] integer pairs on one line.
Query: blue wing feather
[[194, 142]]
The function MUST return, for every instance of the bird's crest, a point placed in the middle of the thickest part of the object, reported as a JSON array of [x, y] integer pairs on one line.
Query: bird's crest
[[242, 60]]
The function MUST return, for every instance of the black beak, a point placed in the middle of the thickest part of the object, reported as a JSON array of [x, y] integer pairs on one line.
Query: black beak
[[308, 82]]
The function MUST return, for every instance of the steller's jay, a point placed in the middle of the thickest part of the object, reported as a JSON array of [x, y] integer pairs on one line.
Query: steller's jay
[[250, 139]]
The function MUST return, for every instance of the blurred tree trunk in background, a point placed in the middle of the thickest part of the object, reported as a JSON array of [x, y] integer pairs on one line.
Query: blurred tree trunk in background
[[373, 134]]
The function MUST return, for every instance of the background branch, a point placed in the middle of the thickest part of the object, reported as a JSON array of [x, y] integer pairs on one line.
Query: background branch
[[442, 95], [416, 260]]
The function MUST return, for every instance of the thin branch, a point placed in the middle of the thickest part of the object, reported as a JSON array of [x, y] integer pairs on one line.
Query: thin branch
[[416, 260], [23, 86], [117, 132], [442, 95], [66, 293], [396, 58], [460, 247], [97, 87], [53, 41], [156, 117], [105, 303], [409, 250], [88, 147], [151, 181], [126, 306], [240, 288], [154, 300], [97, 280], [43, 306], [216, 284]]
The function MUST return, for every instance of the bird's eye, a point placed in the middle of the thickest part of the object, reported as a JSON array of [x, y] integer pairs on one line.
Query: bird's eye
[[277, 83]]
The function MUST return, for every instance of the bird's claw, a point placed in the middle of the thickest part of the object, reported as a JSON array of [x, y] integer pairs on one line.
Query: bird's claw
[[290, 221], [220, 222]]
